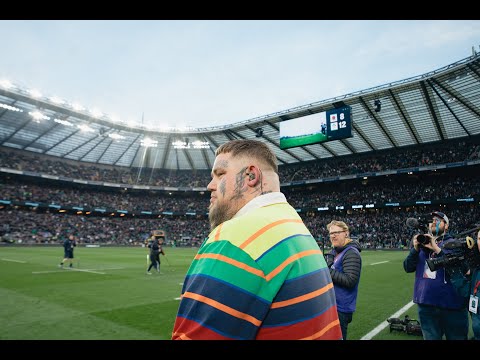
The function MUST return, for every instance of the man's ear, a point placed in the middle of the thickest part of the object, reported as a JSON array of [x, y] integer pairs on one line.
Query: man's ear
[[252, 175]]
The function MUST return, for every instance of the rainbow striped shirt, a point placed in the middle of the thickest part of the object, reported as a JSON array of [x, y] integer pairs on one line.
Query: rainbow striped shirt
[[260, 276]]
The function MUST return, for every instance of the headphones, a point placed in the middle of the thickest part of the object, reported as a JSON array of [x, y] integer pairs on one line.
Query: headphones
[[251, 176]]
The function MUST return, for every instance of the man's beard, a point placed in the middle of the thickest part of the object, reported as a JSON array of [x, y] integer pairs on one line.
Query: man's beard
[[221, 212]]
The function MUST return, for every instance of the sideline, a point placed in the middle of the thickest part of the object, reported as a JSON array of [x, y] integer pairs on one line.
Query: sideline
[[17, 261]]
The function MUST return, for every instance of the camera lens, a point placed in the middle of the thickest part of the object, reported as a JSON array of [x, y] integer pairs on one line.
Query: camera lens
[[423, 239], [395, 321]]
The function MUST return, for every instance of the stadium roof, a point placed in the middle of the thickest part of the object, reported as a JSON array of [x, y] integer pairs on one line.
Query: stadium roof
[[440, 105]]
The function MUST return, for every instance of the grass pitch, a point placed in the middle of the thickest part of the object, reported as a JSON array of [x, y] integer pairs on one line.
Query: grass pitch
[[109, 296]]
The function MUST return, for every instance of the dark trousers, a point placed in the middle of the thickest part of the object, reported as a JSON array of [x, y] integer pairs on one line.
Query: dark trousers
[[154, 261], [437, 322], [345, 319]]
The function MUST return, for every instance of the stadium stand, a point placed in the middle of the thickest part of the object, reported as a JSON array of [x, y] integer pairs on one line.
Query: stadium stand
[[420, 152]]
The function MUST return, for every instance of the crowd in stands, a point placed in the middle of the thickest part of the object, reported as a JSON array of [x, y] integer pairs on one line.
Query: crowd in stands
[[375, 228], [449, 185], [376, 190], [32, 227], [424, 155], [386, 229], [429, 154], [74, 195]]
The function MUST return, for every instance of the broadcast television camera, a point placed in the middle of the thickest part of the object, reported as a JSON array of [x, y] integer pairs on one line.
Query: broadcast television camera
[[420, 223], [463, 250], [410, 326]]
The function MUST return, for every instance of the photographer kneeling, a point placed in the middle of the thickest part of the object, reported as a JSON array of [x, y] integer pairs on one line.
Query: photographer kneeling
[[468, 286], [441, 311]]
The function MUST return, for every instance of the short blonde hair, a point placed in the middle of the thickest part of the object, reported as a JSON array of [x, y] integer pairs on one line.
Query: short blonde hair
[[338, 223]]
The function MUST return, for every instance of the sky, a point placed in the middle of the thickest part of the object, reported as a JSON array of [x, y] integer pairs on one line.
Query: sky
[[207, 73]]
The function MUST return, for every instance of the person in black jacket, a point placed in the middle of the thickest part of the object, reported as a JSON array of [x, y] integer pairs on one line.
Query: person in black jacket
[[68, 246], [155, 246], [345, 265]]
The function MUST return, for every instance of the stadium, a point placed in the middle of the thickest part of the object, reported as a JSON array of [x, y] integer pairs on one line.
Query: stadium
[[414, 148]]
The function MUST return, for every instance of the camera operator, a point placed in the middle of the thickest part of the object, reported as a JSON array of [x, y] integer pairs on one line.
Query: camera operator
[[468, 286], [441, 311]]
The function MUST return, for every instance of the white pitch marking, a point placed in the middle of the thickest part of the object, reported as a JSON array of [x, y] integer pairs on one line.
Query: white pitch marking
[[74, 269], [381, 262], [177, 298], [86, 270], [63, 270], [17, 261], [384, 324]]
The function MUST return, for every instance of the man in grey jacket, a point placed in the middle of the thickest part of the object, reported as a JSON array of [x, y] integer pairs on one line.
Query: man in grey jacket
[[345, 265]]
